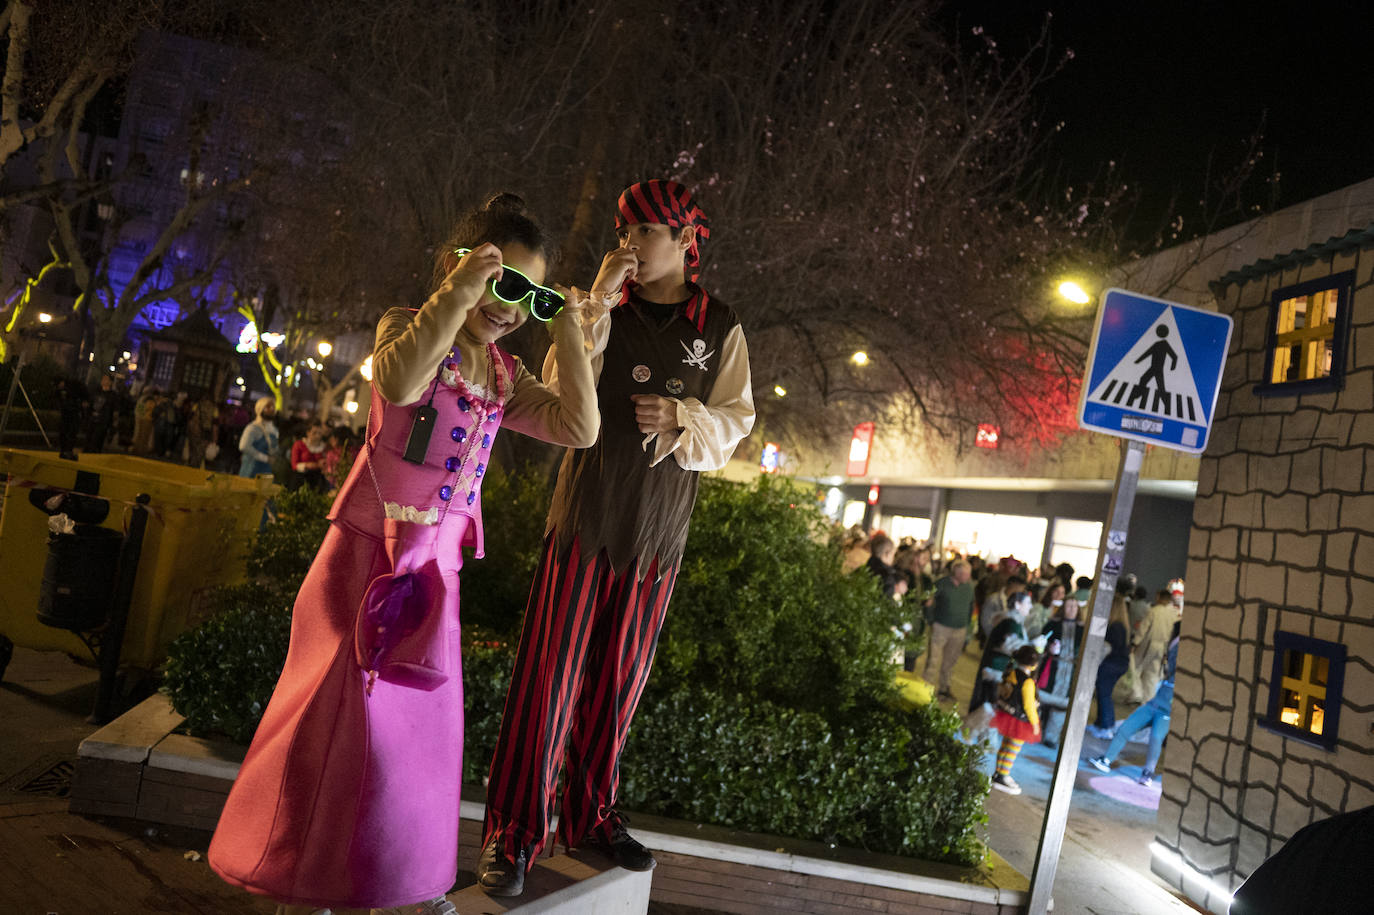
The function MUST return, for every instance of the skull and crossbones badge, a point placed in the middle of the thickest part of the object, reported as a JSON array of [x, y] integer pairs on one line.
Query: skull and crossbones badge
[[696, 354]]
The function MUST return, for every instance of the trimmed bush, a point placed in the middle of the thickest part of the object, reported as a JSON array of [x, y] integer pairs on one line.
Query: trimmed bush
[[762, 607], [495, 588], [890, 781], [221, 674]]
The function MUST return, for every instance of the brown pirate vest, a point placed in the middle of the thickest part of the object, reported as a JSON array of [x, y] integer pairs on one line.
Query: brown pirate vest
[[607, 496]]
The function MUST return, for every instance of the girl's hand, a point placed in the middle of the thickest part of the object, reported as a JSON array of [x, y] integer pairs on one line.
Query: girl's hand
[[473, 270], [618, 266], [573, 300]]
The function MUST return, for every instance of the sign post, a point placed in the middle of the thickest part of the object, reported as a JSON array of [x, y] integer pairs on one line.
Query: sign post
[[1153, 374]]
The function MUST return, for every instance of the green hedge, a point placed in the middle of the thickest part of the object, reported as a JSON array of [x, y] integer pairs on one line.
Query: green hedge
[[891, 781], [770, 707]]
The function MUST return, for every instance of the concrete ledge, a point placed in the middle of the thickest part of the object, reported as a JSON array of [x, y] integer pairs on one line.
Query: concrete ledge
[[138, 768], [196, 756], [569, 884], [131, 736]]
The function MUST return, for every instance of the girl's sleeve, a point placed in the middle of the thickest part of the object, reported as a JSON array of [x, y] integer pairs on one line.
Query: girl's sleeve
[[1030, 702], [410, 344], [711, 430], [564, 411]]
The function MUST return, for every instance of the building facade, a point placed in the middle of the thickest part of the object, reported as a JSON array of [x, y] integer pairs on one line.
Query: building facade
[[1273, 721]]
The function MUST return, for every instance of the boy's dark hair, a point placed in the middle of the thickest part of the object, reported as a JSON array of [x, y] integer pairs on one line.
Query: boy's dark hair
[[1016, 580], [1084, 582], [1026, 656], [503, 219]]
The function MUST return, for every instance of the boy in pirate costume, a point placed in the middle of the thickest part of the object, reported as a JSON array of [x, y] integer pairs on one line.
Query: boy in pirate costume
[[675, 396]]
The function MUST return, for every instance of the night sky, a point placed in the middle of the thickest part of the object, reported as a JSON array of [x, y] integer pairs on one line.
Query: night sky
[[1161, 86]]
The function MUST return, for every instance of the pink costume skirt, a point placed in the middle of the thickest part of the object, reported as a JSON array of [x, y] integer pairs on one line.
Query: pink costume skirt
[[350, 799]]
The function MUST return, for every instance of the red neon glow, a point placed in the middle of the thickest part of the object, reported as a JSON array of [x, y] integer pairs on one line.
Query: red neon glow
[[873, 494], [988, 435]]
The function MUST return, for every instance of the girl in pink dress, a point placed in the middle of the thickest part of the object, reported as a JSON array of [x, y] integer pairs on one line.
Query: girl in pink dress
[[348, 797]]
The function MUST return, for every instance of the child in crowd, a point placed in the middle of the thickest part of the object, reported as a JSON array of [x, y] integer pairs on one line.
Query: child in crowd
[[1018, 715], [349, 795]]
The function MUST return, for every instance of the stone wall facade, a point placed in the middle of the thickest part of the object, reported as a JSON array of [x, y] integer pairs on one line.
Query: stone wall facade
[[1282, 539]]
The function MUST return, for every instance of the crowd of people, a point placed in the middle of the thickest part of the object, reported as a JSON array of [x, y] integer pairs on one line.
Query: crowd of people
[[197, 430], [1029, 625]]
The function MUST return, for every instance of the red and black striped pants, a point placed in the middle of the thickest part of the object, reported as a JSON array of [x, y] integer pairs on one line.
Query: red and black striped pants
[[585, 652]]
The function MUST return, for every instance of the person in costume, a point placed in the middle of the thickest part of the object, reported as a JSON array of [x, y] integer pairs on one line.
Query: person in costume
[[1018, 715], [675, 397], [349, 795]]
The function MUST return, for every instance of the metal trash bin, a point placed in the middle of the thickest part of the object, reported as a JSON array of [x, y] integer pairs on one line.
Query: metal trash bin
[[79, 578]]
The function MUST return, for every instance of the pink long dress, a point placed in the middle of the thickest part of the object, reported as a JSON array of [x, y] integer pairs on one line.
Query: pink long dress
[[349, 797]]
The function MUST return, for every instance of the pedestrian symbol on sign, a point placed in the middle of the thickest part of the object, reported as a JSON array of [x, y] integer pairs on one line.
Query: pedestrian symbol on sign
[[1151, 361]]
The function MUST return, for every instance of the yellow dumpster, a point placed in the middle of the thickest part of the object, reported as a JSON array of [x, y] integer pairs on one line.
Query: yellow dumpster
[[199, 528]]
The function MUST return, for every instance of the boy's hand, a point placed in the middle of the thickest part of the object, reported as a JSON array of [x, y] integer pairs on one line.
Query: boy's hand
[[473, 270], [618, 266], [654, 413]]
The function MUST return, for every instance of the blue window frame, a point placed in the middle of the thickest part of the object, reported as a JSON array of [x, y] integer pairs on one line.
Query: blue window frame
[[1308, 336], [1305, 689]]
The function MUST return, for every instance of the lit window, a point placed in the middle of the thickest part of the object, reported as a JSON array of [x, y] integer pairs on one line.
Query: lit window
[[1308, 328], [1075, 542], [1305, 688], [899, 527]]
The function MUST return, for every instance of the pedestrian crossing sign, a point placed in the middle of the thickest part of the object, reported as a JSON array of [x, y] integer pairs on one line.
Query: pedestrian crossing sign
[[1154, 370]]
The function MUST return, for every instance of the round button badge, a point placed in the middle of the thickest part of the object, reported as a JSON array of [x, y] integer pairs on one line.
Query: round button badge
[[640, 373]]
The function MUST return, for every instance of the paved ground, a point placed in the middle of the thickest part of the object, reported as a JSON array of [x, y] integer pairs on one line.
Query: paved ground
[[1104, 866], [52, 862]]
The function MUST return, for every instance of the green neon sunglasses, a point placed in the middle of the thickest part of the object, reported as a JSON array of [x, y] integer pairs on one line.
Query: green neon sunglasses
[[514, 288]]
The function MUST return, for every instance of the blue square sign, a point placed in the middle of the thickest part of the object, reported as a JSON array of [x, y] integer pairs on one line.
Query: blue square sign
[[1154, 370]]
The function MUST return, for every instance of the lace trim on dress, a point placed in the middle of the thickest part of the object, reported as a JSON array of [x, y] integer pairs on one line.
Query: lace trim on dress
[[398, 512], [478, 390]]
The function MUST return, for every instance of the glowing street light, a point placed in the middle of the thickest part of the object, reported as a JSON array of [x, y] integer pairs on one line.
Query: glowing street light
[[779, 390], [1074, 293], [325, 348], [351, 406], [44, 318], [859, 358]]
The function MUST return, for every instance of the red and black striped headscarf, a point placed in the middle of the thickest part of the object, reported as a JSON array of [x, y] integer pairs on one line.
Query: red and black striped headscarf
[[669, 203]]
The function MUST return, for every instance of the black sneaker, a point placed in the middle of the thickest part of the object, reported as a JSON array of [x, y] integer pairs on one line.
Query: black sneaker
[[621, 847], [497, 874]]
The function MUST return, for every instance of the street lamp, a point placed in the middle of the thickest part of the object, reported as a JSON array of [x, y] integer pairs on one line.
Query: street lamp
[[859, 358], [325, 348], [779, 390], [44, 318], [1074, 293]]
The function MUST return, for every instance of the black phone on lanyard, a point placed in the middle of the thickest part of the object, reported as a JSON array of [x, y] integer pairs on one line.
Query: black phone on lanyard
[[421, 428]]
